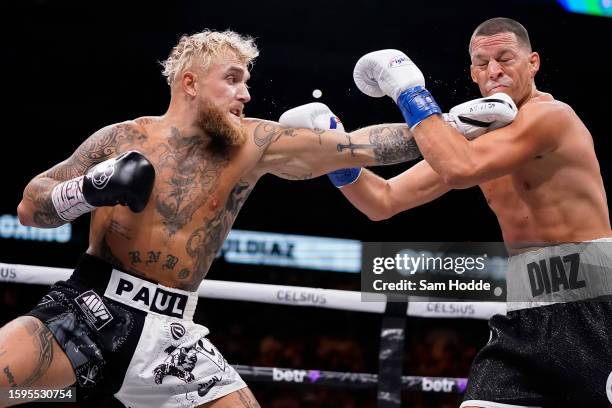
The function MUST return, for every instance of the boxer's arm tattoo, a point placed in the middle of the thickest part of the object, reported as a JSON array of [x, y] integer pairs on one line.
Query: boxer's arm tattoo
[[247, 399], [43, 340], [98, 147], [269, 132], [389, 143], [39, 193], [204, 243]]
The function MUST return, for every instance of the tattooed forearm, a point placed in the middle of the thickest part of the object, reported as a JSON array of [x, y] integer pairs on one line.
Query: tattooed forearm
[[389, 143], [43, 339], [38, 192]]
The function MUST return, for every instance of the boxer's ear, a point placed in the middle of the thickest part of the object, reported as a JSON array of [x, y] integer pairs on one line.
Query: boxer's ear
[[534, 63], [189, 82]]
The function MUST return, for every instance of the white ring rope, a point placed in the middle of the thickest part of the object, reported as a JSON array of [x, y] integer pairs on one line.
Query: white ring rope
[[280, 294]]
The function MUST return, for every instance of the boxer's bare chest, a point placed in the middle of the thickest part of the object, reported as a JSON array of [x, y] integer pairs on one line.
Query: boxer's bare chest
[[195, 200]]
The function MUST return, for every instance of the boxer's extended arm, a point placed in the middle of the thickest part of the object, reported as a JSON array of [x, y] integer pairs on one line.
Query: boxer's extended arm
[[462, 164], [380, 199], [36, 207], [299, 153]]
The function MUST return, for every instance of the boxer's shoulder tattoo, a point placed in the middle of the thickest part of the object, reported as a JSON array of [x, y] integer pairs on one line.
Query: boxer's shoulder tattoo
[[10, 376], [189, 175], [43, 341], [204, 243]]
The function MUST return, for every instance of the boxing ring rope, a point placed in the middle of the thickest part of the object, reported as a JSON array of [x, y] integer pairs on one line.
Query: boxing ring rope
[[313, 297]]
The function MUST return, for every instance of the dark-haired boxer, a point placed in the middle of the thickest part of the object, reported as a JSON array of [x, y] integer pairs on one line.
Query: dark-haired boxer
[[541, 177]]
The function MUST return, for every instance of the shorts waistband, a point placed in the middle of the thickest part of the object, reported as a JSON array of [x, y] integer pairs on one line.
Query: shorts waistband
[[562, 273], [134, 291]]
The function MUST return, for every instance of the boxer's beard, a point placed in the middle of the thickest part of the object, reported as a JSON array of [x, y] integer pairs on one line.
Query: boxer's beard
[[224, 134]]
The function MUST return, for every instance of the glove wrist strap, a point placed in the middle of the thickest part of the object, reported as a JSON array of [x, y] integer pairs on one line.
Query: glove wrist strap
[[416, 105], [69, 201], [344, 177]]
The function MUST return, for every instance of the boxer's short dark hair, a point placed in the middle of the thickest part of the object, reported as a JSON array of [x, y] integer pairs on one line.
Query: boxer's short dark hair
[[503, 25]]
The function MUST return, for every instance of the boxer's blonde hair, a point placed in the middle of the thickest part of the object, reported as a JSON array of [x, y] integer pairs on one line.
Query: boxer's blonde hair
[[201, 48]]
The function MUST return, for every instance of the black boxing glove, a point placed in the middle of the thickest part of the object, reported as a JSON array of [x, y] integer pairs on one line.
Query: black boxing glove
[[126, 180]]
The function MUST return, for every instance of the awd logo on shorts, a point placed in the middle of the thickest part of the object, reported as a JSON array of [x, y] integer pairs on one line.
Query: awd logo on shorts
[[94, 309]]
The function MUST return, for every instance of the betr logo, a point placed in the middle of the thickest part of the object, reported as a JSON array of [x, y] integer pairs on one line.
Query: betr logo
[[278, 374]]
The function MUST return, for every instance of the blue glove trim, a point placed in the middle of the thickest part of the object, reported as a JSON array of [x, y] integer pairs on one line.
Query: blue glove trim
[[342, 177], [416, 105]]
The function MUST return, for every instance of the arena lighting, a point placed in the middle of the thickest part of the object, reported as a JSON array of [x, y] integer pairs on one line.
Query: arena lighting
[[593, 7]]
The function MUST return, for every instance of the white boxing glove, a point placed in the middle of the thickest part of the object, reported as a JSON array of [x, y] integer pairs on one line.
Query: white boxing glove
[[315, 115], [479, 116], [318, 116], [386, 72]]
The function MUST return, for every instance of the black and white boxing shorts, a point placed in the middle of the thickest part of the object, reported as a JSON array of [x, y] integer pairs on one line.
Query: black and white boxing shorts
[[134, 339], [554, 346]]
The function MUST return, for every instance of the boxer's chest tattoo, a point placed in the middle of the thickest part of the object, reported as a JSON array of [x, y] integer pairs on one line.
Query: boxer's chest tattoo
[[189, 177]]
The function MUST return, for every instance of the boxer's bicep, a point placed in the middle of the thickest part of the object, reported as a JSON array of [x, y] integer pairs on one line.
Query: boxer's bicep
[[300, 153]]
